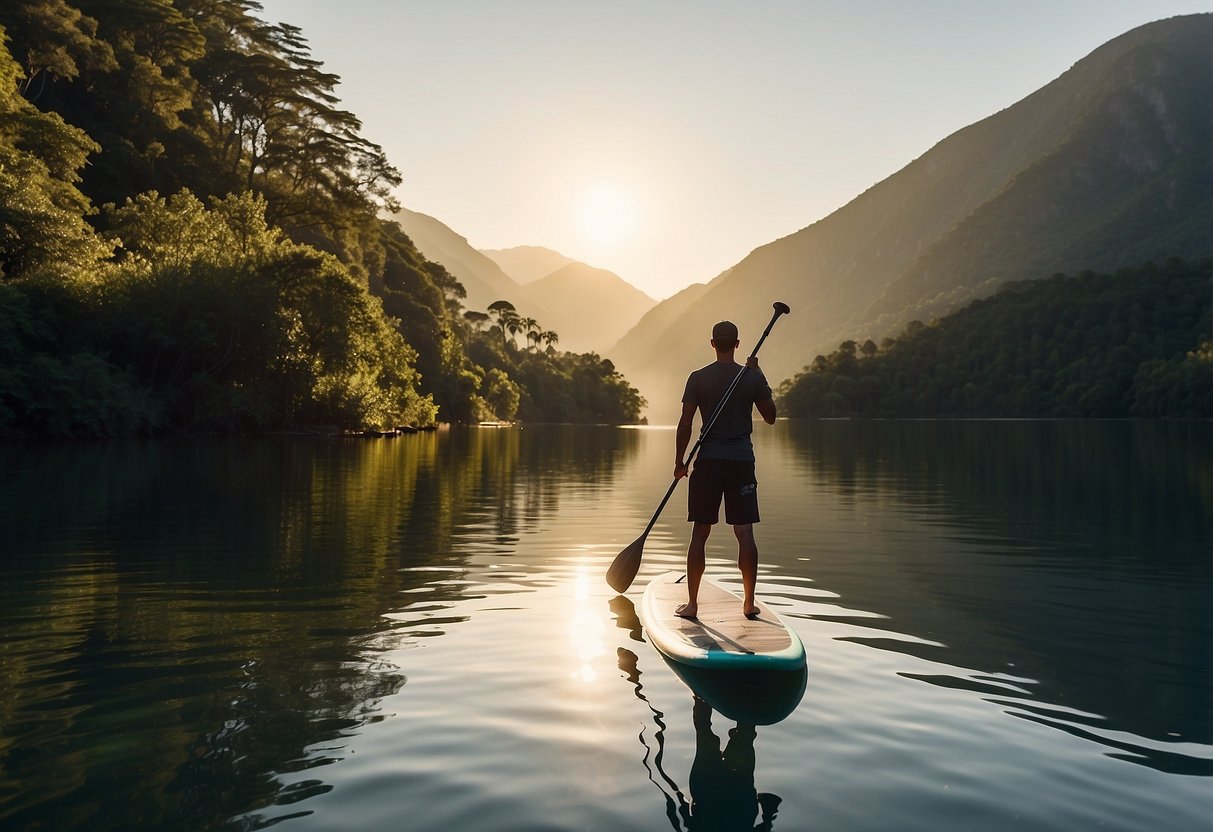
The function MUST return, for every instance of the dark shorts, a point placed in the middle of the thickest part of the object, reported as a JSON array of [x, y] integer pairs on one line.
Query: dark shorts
[[712, 479]]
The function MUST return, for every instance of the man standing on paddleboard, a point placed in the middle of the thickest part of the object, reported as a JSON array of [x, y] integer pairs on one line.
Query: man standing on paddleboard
[[725, 464]]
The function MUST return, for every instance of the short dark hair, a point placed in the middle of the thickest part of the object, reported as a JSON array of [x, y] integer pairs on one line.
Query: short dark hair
[[725, 332]]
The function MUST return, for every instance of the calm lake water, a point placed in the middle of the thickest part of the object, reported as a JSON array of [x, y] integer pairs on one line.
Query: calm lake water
[[1008, 625]]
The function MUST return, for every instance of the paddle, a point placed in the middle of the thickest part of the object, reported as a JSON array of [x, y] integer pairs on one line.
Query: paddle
[[623, 569]]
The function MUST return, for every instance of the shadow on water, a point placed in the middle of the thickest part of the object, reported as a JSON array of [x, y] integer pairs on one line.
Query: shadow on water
[[721, 793], [206, 622], [1066, 572]]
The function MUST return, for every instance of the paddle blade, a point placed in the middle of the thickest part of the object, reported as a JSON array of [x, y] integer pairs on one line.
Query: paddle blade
[[626, 564]]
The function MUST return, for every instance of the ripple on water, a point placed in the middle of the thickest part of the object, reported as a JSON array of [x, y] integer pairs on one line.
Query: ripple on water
[[396, 635]]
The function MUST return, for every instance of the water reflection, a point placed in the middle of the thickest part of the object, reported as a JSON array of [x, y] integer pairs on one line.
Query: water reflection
[[585, 629], [1061, 569], [390, 632], [721, 788], [206, 621], [675, 801], [723, 796]]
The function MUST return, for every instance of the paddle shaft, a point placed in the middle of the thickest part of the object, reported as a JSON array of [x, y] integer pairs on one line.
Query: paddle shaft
[[711, 422]]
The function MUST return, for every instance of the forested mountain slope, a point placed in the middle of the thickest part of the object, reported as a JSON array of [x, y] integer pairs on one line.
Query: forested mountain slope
[[191, 240], [482, 279], [1106, 167], [1136, 343]]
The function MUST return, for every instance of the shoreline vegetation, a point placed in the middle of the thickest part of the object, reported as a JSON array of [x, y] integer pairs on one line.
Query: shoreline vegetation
[[1135, 344], [192, 241]]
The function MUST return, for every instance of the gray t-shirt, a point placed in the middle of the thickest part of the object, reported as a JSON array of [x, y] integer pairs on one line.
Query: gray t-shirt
[[730, 436]]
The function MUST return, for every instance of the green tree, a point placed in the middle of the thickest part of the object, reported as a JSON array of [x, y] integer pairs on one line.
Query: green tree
[[235, 327], [270, 112], [53, 40], [500, 394], [42, 211], [276, 295], [1091, 345], [532, 330]]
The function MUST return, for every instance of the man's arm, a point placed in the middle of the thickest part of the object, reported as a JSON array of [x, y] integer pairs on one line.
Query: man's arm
[[766, 409], [682, 438]]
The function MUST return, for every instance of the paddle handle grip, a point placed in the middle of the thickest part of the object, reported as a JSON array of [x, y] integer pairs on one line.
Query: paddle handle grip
[[780, 309]]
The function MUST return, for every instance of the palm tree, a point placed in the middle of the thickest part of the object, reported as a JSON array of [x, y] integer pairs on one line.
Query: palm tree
[[549, 337], [512, 322], [532, 331], [504, 312]]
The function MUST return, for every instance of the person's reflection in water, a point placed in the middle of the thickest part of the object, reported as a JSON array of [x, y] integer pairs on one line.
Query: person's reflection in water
[[723, 796]]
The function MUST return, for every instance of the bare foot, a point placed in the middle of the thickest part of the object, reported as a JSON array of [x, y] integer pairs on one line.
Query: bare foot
[[687, 611], [750, 611]]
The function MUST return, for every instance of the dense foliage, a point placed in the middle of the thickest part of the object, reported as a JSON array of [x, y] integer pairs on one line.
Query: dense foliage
[[551, 386], [191, 239], [203, 319], [1136, 343]]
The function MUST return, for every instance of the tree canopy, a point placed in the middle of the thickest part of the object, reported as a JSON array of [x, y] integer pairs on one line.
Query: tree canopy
[[1136, 343], [191, 239]]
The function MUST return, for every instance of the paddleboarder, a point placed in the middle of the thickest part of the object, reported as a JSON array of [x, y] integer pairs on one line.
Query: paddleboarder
[[724, 468]]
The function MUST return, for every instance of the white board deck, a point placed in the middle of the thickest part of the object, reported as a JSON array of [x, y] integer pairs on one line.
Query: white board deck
[[721, 637]]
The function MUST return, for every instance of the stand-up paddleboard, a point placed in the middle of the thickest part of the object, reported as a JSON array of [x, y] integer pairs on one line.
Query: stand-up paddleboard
[[752, 697], [721, 637], [750, 670]]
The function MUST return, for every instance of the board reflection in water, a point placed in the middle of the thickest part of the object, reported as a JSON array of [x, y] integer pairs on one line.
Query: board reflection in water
[[721, 792], [753, 697]]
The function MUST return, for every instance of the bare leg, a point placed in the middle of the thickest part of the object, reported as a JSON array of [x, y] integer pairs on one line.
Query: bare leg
[[747, 562], [696, 559]]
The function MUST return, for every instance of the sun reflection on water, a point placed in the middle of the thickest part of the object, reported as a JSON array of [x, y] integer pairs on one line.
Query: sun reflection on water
[[586, 631]]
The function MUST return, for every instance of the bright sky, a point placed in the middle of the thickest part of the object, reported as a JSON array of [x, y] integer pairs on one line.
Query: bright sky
[[666, 139]]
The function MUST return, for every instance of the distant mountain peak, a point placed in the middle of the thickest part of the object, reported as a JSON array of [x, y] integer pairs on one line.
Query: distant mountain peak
[[588, 308], [589, 276], [527, 264], [593, 300], [1108, 166]]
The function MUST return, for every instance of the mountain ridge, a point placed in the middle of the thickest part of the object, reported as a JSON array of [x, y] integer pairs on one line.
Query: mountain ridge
[[589, 308], [526, 264], [593, 301], [484, 281], [928, 238]]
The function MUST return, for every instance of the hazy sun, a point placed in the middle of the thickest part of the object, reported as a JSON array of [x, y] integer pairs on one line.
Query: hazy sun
[[607, 213]]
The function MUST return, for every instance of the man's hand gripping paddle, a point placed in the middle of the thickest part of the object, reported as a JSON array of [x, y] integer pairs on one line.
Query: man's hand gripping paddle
[[623, 570]]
